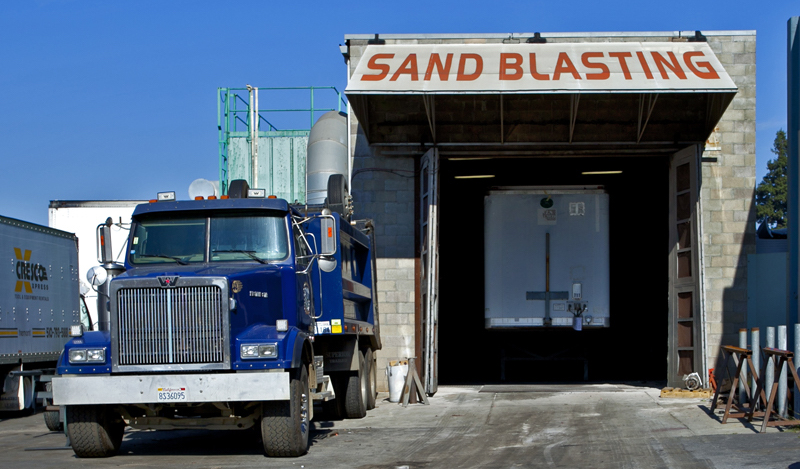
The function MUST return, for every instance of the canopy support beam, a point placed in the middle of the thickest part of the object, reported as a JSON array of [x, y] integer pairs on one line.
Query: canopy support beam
[[574, 99], [651, 104], [430, 112]]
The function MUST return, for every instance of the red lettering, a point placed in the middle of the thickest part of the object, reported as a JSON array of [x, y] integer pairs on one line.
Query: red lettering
[[645, 67], [564, 65], [516, 66], [672, 65], [535, 74], [623, 64], [604, 72], [408, 67], [373, 65], [444, 70], [709, 74], [462, 65]]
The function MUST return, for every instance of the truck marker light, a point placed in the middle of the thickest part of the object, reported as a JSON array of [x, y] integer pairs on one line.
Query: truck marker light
[[272, 197], [152, 201], [224, 197], [330, 232], [199, 197], [212, 197], [282, 325]]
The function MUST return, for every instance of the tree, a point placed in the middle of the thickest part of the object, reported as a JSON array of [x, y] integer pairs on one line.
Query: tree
[[772, 193]]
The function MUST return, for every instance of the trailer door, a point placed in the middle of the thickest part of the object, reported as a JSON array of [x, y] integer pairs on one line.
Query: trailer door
[[685, 336], [429, 275]]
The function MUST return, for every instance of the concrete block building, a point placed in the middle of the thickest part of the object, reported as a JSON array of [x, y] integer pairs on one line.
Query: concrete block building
[[663, 122]]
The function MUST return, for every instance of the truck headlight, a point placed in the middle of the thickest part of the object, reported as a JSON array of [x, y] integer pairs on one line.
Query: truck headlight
[[82, 355], [259, 351]]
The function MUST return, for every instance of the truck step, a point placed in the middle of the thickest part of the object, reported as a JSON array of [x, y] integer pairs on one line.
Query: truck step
[[327, 393], [322, 396]]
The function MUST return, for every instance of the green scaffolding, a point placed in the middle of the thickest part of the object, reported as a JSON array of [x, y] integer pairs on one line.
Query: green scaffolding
[[281, 161]]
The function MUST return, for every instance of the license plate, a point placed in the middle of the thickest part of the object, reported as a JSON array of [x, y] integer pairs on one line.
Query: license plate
[[171, 394]]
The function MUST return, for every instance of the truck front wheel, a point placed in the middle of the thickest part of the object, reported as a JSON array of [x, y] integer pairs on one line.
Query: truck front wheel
[[94, 430], [285, 425]]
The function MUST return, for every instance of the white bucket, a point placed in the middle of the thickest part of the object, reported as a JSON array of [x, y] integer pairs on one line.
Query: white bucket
[[396, 371]]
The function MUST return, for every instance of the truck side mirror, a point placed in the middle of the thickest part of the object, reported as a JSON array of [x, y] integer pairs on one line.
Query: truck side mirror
[[328, 236]]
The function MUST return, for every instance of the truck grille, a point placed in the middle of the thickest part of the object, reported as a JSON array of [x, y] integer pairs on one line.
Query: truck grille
[[170, 326]]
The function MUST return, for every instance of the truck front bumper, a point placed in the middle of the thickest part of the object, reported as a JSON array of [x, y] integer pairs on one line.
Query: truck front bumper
[[170, 389]]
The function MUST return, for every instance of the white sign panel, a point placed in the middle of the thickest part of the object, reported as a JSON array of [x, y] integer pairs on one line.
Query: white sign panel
[[537, 68]]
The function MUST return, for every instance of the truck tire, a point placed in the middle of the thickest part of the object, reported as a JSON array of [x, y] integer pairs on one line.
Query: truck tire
[[238, 189], [372, 372], [53, 420], [94, 431], [285, 425], [337, 193], [355, 398]]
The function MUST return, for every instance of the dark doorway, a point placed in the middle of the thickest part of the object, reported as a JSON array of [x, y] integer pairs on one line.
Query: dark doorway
[[633, 348]]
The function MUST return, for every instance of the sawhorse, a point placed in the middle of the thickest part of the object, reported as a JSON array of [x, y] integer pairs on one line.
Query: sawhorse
[[779, 358], [740, 356]]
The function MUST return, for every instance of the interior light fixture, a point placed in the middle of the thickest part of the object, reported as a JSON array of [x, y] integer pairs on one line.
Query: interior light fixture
[[476, 176], [469, 159], [586, 173]]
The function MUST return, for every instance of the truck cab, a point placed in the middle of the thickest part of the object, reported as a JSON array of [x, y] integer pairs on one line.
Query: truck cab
[[230, 313]]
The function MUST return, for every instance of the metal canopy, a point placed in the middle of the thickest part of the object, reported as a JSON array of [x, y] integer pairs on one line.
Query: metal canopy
[[537, 99]]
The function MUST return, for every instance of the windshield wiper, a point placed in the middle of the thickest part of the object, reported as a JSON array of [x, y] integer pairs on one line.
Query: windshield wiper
[[247, 253], [164, 256]]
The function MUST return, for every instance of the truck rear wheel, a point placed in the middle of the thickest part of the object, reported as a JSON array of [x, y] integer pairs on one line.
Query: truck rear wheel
[[355, 404], [285, 425], [372, 372], [52, 419], [94, 430]]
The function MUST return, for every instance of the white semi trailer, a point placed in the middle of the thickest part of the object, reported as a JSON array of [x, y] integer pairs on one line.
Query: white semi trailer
[[547, 257], [40, 301], [82, 218]]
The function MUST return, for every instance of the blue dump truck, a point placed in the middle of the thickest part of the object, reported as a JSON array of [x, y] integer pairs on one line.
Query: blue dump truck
[[229, 313]]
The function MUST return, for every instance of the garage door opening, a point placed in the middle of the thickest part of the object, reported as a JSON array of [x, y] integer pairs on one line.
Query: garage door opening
[[633, 348]]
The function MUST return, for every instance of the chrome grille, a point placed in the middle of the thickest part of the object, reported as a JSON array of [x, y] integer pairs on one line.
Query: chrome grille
[[170, 326]]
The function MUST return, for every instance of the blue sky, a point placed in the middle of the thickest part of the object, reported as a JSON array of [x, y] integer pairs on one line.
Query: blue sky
[[117, 100]]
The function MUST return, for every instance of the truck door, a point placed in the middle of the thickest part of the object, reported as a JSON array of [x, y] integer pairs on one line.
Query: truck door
[[686, 347], [429, 275]]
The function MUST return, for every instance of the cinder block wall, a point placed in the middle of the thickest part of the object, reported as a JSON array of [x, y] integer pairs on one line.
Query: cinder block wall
[[383, 189], [726, 201], [728, 198]]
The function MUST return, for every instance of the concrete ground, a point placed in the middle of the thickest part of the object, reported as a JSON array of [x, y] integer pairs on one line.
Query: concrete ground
[[598, 426]]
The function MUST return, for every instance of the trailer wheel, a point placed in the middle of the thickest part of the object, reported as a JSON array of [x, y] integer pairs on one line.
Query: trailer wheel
[[372, 372], [355, 404], [94, 431], [285, 425]]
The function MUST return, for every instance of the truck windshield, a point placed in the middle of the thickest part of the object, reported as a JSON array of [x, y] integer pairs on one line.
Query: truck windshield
[[230, 238], [240, 238]]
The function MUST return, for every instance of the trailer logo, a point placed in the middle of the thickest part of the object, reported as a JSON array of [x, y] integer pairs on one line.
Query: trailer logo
[[28, 272], [168, 281]]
